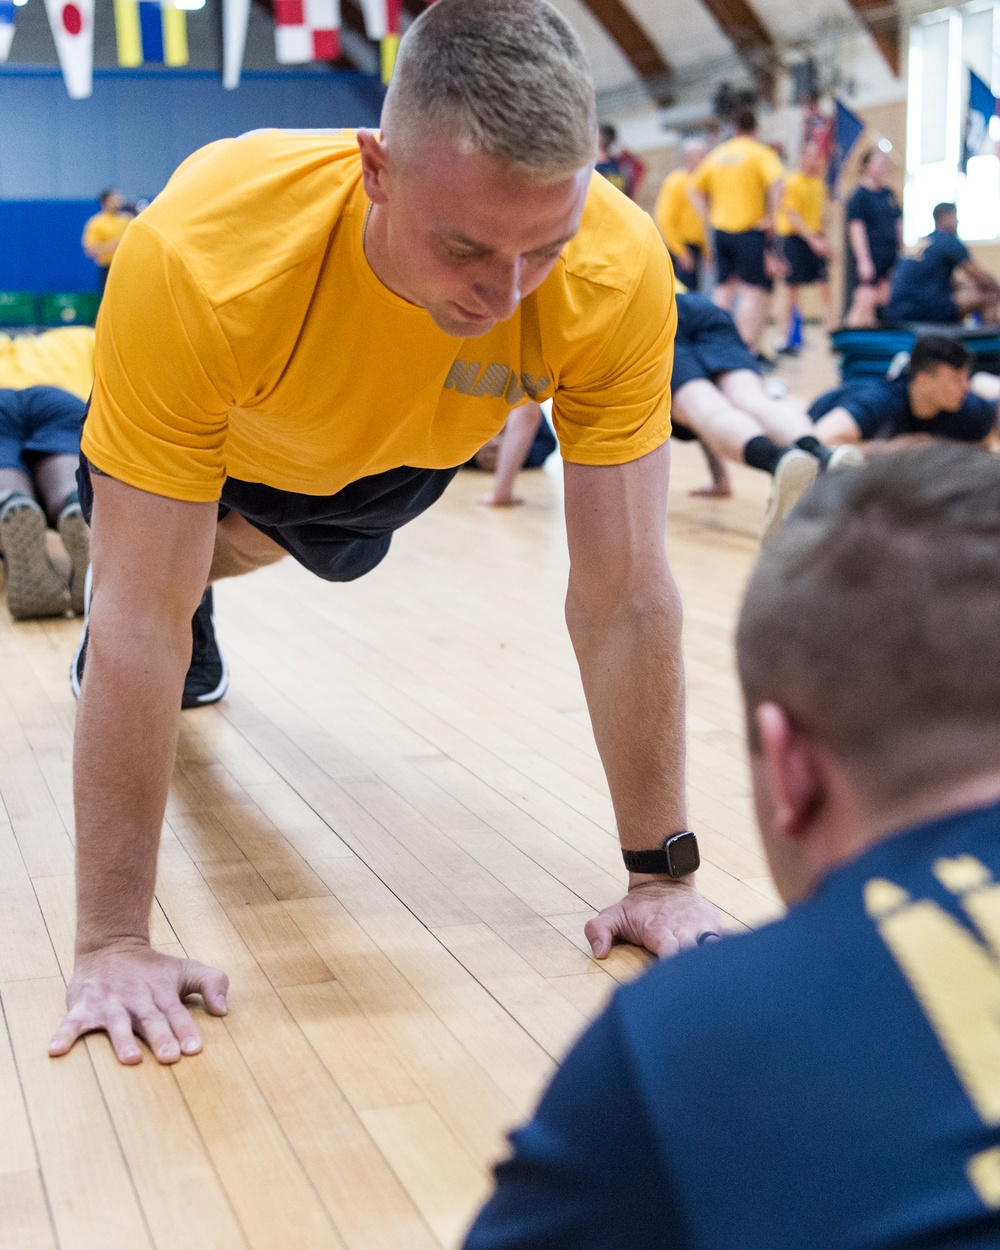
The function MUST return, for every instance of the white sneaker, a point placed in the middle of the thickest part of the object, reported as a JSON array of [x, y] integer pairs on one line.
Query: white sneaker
[[847, 456], [796, 472]]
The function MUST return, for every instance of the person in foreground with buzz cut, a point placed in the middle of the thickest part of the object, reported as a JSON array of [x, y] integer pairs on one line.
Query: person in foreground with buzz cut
[[832, 1080], [304, 338]]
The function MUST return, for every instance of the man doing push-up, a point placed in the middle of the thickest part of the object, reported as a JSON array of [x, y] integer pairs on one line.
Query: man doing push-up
[[303, 338]]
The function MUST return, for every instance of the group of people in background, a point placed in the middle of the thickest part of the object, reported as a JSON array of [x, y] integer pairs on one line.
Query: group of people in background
[[731, 203], [735, 201]]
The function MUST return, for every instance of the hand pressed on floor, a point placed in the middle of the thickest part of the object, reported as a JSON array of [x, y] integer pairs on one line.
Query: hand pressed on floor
[[128, 990], [661, 915]]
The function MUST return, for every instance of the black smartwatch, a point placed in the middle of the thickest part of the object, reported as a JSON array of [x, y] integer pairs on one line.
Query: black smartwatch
[[678, 857]]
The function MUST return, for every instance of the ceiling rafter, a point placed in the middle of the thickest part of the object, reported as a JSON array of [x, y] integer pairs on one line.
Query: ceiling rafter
[[881, 17], [750, 37], [643, 54]]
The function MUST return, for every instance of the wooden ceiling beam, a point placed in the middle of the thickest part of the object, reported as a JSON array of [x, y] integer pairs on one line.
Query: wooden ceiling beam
[[640, 50], [750, 37], [881, 17]]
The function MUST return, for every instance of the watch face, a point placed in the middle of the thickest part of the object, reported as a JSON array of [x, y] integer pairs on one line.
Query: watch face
[[682, 852]]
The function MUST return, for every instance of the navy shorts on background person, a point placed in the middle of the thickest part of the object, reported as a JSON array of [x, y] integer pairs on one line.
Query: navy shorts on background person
[[338, 537], [804, 266], [707, 343], [741, 256], [930, 309], [39, 420]]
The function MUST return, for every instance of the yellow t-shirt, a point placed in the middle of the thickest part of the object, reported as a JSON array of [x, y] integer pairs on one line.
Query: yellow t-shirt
[[63, 358], [736, 177], [806, 196], [105, 228], [243, 333], [676, 216]]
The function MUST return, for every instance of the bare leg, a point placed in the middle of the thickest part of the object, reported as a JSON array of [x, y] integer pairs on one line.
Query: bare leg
[[979, 301], [15, 481], [720, 487], [826, 306], [861, 313], [724, 295], [751, 314], [518, 435], [240, 548], [55, 479], [789, 306], [783, 420], [724, 428]]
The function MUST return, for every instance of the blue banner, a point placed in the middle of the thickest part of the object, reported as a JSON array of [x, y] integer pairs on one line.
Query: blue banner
[[847, 130], [983, 105]]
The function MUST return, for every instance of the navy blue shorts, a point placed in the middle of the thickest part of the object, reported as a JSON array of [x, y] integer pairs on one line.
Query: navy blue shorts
[[707, 343], [936, 309], [742, 256], [804, 266], [338, 537], [39, 420]]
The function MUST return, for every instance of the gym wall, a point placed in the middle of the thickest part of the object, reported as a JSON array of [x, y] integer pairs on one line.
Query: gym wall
[[57, 153]]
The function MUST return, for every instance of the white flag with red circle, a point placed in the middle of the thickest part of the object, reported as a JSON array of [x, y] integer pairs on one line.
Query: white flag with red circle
[[72, 23]]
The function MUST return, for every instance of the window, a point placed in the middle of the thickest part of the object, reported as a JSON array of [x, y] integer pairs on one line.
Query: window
[[944, 46]]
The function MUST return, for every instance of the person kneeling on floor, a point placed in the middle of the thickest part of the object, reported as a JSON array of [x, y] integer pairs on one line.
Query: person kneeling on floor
[[832, 1079], [39, 452], [718, 394], [931, 398]]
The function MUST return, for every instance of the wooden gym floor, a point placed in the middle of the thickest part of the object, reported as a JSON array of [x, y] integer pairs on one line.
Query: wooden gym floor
[[390, 834]]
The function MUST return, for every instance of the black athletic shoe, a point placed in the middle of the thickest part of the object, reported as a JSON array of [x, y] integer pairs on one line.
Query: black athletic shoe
[[207, 677], [208, 674]]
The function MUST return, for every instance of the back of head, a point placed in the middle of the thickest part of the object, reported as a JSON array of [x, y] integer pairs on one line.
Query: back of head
[[508, 78], [945, 215], [873, 618], [934, 350], [745, 122], [109, 193]]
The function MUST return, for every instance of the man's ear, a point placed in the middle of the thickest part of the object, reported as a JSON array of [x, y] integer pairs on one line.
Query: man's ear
[[793, 769], [374, 165]]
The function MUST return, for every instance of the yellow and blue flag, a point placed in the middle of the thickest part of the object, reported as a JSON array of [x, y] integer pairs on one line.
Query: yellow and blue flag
[[150, 31]]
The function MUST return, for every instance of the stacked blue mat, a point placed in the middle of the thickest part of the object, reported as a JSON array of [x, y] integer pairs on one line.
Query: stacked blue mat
[[868, 353]]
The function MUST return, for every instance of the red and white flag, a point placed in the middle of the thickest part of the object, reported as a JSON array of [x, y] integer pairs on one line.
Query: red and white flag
[[306, 30], [72, 23], [381, 17]]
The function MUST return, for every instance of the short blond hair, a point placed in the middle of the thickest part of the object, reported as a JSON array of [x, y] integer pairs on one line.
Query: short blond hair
[[509, 78]]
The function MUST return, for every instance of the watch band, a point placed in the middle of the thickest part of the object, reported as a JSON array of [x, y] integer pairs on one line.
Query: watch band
[[678, 857]]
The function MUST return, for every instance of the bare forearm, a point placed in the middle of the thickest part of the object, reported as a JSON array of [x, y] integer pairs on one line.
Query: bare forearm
[[858, 236], [519, 433], [125, 744], [633, 679]]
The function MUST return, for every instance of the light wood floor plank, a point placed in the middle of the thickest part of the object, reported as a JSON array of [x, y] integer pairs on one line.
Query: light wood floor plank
[[390, 834]]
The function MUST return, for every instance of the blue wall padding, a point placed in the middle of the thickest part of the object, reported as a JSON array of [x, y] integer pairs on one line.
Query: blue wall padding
[[133, 132], [41, 246]]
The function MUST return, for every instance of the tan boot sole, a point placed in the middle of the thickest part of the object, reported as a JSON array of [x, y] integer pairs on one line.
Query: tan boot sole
[[34, 588]]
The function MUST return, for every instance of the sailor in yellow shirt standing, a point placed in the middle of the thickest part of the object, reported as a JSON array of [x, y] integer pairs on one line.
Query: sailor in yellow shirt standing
[[737, 190], [677, 218], [103, 232], [304, 337], [800, 227]]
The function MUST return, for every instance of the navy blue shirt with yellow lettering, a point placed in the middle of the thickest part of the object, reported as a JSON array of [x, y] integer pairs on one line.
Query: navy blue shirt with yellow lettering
[[832, 1080]]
